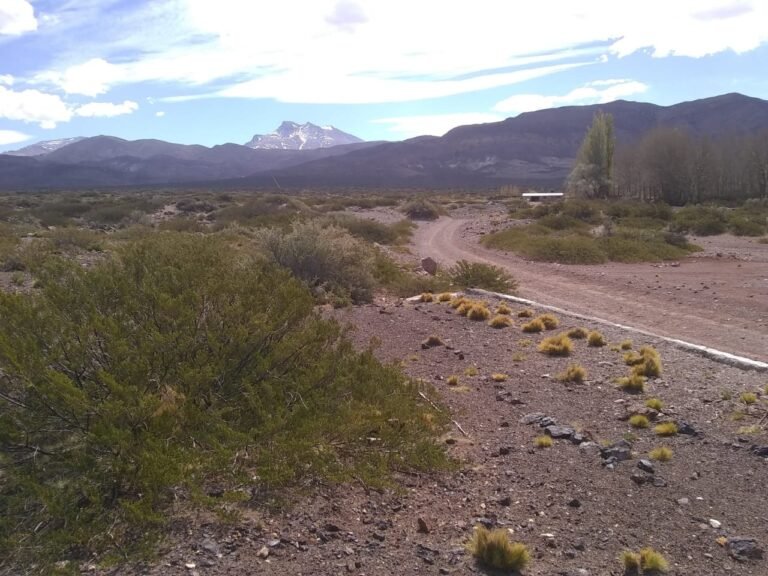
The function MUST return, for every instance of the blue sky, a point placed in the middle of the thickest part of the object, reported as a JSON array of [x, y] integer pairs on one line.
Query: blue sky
[[215, 71]]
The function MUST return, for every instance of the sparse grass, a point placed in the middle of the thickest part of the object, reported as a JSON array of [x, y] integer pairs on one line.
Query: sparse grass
[[444, 297], [749, 430], [661, 454], [639, 421], [499, 377], [518, 357], [479, 312], [596, 339], [471, 371], [464, 307], [630, 561], [452, 380], [503, 309], [652, 561], [524, 343], [634, 383], [666, 429], [626, 345], [655, 404], [457, 301], [650, 363], [578, 333], [543, 441], [533, 327], [737, 415], [525, 313], [559, 345], [748, 398], [574, 373], [495, 550], [426, 297], [500, 321], [726, 395], [550, 321]]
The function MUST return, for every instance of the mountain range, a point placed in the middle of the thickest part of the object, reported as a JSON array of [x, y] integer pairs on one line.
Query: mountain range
[[534, 148], [308, 136]]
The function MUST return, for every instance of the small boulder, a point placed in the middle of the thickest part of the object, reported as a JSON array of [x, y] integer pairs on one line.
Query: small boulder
[[743, 549], [429, 266]]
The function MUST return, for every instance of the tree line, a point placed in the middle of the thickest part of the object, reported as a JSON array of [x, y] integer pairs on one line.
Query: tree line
[[669, 164]]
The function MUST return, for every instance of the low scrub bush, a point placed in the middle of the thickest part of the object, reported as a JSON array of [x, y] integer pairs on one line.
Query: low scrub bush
[[452, 380], [574, 373], [479, 311], [500, 321], [559, 345], [533, 327], [700, 220], [625, 345], [172, 366], [421, 209], [335, 266], [466, 274], [494, 550], [652, 561], [444, 297], [596, 339], [426, 297]]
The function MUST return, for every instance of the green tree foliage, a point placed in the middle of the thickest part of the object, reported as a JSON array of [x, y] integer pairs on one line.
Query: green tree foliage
[[592, 176], [177, 365]]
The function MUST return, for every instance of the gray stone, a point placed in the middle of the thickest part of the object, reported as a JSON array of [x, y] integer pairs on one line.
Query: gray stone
[[559, 431], [743, 549], [761, 451], [686, 428], [532, 418], [646, 466], [638, 478], [210, 546], [547, 421], [429, 266], [621, 450]]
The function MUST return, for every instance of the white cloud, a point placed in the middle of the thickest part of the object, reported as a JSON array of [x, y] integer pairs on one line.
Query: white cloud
[[16, 17], [160, 113], [434, 124], [6, 79], [34, 107], [390, 51], [106, 109], [12, 137], [596, 92]]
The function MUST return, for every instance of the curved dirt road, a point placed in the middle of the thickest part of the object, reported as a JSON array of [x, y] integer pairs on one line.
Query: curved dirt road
[[718, 300]]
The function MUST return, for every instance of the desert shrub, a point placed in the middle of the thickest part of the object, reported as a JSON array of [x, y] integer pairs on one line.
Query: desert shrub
[[559, 345], [596, 339], [626, 345], [369, 230], [471, 370], [175, 364], [401, 281], [747, 225], [457, 301], [328, 260], [494, 549], [655, 404], [661, 454], [649, 364], [550, 321], [500, 321], [76, 238], [577, 333], [574, 373], [543, 441], [183, 224], [444, 297], [452, 380], [525, 313], [426, 297], [537, 243], [630, 561], [421, 209], [479, 311], [499, 377], [464, 307], [652, 561], [700, 220], [634, 383], [466, 274], [534, 326], [503, 309], [638, 421], [748, 398], [666, 429]]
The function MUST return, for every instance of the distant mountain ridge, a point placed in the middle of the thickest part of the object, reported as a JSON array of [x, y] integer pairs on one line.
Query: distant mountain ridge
[[44, 147], [293, 136], [534, 148]]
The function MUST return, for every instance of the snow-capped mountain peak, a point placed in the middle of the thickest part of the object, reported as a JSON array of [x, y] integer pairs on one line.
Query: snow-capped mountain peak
[[44, 147], [293, 136]]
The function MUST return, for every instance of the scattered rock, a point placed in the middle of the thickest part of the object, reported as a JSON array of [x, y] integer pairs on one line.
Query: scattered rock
[[574, 503], [715, 523], [646, 466], [429, 266], [423, 527], [743, 549], [686, 428], [533, 418], [761, 451], [559, 431], [263, 553], [619, 451], [683, 501]]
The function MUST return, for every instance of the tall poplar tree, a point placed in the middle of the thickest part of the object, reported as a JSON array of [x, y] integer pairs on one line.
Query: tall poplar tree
[[592, 176]]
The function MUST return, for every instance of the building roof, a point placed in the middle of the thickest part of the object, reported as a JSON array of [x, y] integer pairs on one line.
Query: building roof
[[527, 194]]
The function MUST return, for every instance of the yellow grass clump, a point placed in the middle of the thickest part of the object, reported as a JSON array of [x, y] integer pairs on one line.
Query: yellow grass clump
[[444, 297], [578, 333], [534, 326], [550, 321], [500, 321], [661, 454], [426, 297], [499, 377], [574, 373], [525, 313], [596, 339], [638, 421], [478, 311], [494, 549], [503, 309], [559, 345], [543, 441], [666, 429], [655, 404]]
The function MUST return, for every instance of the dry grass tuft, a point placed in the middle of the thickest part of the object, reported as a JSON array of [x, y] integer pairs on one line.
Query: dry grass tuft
[[432, 341], [634, 384], [534, 326], [543, 441], [494, 549], [499, 377], [578, 333], [503, 309], [661, 454], [748, 398], [471, 371], [525, 313], [574, 373], [457, 301], [626, 345], [639, 421], [631, 561], [650, 365], [655, 404], [596, 339], [444, 297], [452, 380], [666, 429], [478, 311], [550, 321], [652, 561], [559, 345], [500, 321], [426, 297]]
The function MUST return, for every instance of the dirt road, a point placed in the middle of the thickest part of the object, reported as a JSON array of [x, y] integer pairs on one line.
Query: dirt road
[[718, 298]]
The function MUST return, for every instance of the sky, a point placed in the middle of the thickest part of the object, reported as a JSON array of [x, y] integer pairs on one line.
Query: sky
[[215, 71]]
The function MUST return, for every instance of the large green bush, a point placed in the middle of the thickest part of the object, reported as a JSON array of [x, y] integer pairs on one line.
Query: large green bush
[[466, 274], [173, 367]]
